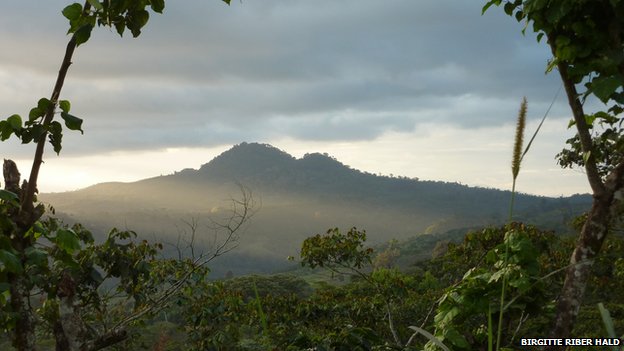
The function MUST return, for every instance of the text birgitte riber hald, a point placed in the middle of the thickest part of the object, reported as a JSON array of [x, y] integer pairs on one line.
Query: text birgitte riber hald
[[570, 342]]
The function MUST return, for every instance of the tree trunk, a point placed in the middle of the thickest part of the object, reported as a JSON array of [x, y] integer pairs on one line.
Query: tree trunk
[[608, 198], [593, 234], [23, 334]]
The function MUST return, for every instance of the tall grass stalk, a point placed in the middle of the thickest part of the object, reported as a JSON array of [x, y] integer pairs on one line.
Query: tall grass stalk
[[518, 156], [515, 170]]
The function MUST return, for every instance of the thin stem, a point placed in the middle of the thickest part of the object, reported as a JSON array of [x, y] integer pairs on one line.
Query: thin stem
[[27, 199], [499, 331]]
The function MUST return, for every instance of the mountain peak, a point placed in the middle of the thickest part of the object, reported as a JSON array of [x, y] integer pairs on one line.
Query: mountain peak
[[246, 159]]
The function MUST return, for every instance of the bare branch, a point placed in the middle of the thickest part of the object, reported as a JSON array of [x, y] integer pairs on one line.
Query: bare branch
[[240, 213]]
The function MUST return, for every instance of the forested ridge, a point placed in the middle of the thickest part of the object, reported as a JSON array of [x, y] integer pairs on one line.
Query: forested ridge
[[299, 197]]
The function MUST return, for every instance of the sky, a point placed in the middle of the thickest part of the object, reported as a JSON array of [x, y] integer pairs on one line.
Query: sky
[[426, 89]]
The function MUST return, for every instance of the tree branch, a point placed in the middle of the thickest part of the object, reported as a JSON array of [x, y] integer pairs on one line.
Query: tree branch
[[582, 128], [27, 198]]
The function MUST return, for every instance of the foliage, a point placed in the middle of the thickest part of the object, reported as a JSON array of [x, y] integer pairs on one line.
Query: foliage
[[335, 250], [462, 286], [62, 266], [608, 144], [463, 311], [585, 38]]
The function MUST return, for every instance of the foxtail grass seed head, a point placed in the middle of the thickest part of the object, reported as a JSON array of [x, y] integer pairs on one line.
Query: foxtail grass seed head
[[518, 141]]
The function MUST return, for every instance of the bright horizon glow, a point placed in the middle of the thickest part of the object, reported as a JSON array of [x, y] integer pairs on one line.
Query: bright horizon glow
[[474, 157], [426, 89]]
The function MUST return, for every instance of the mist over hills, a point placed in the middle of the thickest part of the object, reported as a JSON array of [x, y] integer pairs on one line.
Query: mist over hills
[[299, 198]]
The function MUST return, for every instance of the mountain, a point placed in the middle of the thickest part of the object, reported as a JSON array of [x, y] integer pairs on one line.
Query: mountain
[[297, 198]]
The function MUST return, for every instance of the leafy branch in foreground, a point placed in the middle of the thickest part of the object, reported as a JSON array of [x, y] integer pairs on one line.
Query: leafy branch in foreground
[[23, 262], [87, 295], [585, 38]]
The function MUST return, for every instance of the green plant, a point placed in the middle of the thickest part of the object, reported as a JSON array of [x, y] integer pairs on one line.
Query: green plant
[[585, 39], [346, 254], [464, 314], [608, 324], [60, 266]]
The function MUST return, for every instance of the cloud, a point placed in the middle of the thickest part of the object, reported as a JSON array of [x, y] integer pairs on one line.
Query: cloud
[[205, 74]]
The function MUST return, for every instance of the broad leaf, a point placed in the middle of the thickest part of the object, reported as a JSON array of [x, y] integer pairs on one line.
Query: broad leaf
[[9, 197], [96, 4], [10, 262], [137, 19], [73, 11], [120, 26], [15, 121], [604, 87], [56, 136], [5, 130], [67, 240], [36, 256], [64, 105], [35, 113], [72, 122], [83, 34], [158, 5], [44, 104]]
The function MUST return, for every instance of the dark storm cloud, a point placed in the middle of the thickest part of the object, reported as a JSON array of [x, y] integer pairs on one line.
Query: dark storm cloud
[[204, 73]]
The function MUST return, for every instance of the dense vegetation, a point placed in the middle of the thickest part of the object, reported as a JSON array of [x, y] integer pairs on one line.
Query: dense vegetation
[[452, 294]]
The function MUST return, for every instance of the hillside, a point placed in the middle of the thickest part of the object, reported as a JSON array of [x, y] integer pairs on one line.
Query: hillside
[[297, 198]]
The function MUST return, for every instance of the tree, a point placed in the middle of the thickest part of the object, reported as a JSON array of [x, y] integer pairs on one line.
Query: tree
[[67, 270], [585, 38], [346, 254]]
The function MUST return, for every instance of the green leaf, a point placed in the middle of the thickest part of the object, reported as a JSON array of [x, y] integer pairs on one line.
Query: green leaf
[[539, 36], [36, 256], [6, 195], [455, 338], [44, 104], [67, 240], [5, 130], [509, 8], [96, 4], [604, 87], [83, 34], [226, 1], [35, 113], [10, 262], [137, 19], [72, 122], [56, 136], [9, 197], [158, 5], [120, 26], [15, 121], [73, 11], [485, 7], [36, 132], [64, 105]]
